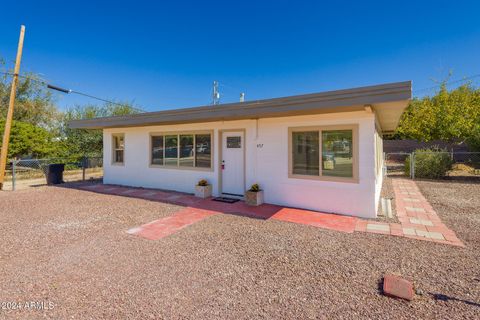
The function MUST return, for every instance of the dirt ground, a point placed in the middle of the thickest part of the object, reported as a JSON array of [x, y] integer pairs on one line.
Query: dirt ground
[[70, 250]]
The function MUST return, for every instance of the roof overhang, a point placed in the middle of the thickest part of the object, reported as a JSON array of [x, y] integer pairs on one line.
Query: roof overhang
[[388, 101]]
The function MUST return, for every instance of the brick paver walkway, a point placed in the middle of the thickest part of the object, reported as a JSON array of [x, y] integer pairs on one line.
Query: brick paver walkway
[[166, 226], [417, 218]]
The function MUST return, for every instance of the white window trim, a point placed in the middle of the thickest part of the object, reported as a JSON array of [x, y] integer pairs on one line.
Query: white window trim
[[355, 154]]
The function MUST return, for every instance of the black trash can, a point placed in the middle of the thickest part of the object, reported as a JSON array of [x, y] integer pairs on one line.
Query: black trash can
[[55, 173]]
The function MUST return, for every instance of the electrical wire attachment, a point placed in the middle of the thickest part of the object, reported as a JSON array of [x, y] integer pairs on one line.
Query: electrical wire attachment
[[49, 86]]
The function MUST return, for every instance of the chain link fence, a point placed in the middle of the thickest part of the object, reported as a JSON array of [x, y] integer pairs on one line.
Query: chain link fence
[[25, 173], [394, 163], [434, 165]]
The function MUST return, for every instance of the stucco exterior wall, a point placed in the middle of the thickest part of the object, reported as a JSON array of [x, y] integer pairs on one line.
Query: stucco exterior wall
[[378, 166], [266, 163]]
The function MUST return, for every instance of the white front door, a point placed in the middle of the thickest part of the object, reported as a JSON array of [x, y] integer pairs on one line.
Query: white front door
[[232, 163]]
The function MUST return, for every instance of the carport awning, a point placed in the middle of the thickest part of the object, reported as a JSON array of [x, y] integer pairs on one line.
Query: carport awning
[[388, 101]]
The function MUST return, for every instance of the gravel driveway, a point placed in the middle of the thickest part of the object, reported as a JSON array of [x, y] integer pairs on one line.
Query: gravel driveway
[[70, 248]]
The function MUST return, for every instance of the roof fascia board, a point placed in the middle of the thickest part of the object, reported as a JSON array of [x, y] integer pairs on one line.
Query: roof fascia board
[[332, 101]]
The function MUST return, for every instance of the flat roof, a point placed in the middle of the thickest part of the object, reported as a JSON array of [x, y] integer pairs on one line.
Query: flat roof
[[388, 100]]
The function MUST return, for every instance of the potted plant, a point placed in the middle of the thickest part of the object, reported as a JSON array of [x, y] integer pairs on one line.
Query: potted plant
[[203, 189], [254, 195]]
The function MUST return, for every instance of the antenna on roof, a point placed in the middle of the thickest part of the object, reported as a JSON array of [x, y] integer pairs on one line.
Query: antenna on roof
[[215, 94], [242, 97]]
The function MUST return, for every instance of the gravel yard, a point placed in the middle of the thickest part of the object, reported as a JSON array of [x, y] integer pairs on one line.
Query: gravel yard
[[71, 248]]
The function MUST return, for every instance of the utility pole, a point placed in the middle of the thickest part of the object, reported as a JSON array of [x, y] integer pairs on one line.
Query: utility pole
[[215, 94], [8, 121]]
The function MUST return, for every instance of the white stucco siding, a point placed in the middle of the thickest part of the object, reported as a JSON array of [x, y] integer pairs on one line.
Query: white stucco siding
[[136, 170], [338, 197], [266, 163], [378, 167]]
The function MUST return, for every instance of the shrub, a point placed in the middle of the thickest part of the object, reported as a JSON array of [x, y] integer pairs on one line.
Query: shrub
[[433, 163], [254, 188], [473, 141], [202, 183]]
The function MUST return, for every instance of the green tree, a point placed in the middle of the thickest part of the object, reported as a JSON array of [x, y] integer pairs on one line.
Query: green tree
[[27, 140], [34, 104], [78, 142], [448, 115], [41, 130]]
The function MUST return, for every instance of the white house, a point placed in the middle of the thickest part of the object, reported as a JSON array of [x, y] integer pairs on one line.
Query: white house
[[320, 151]]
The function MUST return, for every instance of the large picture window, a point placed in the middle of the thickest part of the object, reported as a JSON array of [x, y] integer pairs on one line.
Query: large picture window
[[325, 153], [118, 144], [186, 150]]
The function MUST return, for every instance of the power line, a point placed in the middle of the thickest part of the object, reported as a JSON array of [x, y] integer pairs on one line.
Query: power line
[[448, 83], [68, 91]]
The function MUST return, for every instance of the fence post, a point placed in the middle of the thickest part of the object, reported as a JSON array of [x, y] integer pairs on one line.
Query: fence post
[[412, 164], [84, 165], [14, 163]]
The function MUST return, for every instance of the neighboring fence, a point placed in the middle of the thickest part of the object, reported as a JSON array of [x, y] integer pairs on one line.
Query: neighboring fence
[[395, 162], [409, 146], [32, 172], [434, 165]]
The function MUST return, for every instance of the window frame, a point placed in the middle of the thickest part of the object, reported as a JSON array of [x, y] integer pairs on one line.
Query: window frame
[[114, 149], [320, 177], [178, 134]]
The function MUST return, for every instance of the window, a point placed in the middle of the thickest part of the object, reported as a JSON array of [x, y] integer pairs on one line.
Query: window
[[157, 150], [306, 155], [325, 153], [234, 142], [171, 150], [186, 150], [203, 153], [118, 148], [337, 160]]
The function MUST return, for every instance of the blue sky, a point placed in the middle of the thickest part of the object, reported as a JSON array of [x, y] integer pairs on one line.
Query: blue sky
[[163, 55]]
